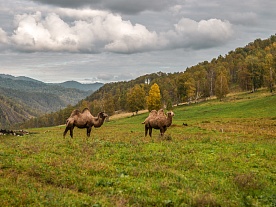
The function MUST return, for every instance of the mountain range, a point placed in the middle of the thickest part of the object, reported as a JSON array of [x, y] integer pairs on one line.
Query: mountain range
[[83, 87], [22, 97]]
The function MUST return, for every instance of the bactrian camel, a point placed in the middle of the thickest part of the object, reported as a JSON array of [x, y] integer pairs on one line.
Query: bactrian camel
[[83, 120], [158, 120]]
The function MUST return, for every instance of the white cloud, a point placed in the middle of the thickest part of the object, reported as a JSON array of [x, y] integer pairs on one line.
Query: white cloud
[[176, 9], [202, 34], [3, 36], [134, 39], [92, 31], [35, 33]]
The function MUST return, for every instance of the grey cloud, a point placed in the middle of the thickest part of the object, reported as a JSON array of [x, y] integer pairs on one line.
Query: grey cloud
[[78, 39], [70, 3], [111, 77], [105, 76], [246, 18], [198, 35], [134, 6], [121, 6]]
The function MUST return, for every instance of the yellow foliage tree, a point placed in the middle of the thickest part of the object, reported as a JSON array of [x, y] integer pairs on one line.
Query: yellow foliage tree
[[136, 98], [154, 98]]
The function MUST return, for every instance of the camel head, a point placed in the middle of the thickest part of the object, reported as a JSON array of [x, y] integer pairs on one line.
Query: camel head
[[102, 115], [170, 113]]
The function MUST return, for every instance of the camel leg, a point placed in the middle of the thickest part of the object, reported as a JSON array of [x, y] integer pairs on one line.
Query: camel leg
[[146, 130], [165, 129], [150, 131], [65, 131], [162, 131], [71, 132], [89, 131]]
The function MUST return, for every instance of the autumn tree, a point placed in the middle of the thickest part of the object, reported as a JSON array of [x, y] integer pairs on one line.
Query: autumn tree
[[190, 87], [252, 65], [154, 98], [136, 98], [210, 77], [167, 100], [270, 75], [244, 77], [84, 104], [96, 107], [221, 84], [118, 99], [108, 103], [200, 77], [187, 87], [180, 87]]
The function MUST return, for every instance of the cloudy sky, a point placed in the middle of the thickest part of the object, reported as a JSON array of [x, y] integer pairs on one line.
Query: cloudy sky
[[115, 40]]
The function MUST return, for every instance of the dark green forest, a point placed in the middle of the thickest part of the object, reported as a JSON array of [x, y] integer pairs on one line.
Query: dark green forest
[[22, 98], [244, 69]]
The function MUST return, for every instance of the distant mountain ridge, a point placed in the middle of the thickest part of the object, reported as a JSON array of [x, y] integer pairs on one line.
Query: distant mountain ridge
[[22, 98], [81, 86], [66, 84], [24, 78]]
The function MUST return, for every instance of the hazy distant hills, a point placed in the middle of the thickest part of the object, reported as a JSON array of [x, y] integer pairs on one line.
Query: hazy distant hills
[[23, 78], [80, 86], [23, 97]]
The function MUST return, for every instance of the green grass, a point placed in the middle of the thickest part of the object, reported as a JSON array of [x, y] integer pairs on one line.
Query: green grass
[[224, 157]]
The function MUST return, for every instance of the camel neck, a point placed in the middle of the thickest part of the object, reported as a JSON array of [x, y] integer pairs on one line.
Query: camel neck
[[169, 120], [99, 122]]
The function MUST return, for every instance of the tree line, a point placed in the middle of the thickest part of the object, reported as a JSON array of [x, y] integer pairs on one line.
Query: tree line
[[245, 69]]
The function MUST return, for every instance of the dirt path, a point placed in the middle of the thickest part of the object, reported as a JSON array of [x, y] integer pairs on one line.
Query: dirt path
[[127, 114]]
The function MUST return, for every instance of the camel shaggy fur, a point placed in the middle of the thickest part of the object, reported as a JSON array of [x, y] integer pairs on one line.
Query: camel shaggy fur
[[83, 120], [158, 120]]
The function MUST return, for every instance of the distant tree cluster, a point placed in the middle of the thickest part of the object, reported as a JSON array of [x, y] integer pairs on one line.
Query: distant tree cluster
[[245, 69]]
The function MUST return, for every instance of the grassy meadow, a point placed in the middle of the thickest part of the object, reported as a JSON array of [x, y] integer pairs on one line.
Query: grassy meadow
[[225, 156]]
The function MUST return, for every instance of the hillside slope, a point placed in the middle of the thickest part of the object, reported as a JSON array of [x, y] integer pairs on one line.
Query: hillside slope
[[224, 156], [247, 68], [12, 112], [23, 98]]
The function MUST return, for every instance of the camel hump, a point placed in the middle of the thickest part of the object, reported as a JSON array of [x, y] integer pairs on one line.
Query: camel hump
[[153, 113], [75, 112], [85, 109], [161, 112]]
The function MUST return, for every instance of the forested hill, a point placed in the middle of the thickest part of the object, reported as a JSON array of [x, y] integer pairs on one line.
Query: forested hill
[[244, 69], [22, 98]]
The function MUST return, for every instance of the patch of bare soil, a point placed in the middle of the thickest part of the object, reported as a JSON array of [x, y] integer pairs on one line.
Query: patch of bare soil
[[125, 114]]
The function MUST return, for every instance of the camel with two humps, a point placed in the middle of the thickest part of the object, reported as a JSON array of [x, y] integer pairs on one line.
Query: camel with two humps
[[84, 120], [158, 120]]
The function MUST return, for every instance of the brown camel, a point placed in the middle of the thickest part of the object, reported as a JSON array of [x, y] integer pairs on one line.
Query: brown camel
[[83, 120], [155, 113], [158, 120]]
